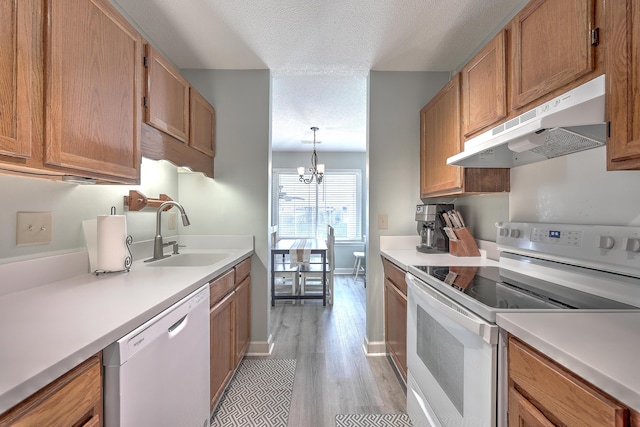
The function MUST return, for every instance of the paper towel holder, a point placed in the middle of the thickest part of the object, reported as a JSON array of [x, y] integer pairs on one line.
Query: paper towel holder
[[127, 261], [136, 201]]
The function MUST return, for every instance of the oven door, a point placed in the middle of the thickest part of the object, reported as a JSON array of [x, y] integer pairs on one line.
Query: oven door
[[451, 361]]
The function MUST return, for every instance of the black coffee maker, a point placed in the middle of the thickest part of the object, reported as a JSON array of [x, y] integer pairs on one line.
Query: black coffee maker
[[429, 220]]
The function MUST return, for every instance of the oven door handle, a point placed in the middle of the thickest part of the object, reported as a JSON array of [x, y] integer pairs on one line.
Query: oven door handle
[[455, 312]]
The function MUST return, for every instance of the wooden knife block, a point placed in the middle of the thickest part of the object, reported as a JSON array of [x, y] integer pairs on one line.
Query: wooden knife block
[[465, 245]]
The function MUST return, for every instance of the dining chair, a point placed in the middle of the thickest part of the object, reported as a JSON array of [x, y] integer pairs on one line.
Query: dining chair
[[359, 264], [284, 275], [311, 274]]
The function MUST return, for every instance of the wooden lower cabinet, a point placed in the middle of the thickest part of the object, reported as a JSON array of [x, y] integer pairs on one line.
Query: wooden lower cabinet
[[395, 315], [74, 399], [396, 325], [221, 347], [543, 393], [243, 318], [230, 325]]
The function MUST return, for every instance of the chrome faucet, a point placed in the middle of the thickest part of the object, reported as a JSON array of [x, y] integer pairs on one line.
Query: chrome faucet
[[158, 244]]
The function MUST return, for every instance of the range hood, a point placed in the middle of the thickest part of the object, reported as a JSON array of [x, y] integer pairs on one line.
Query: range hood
[[572, 122]]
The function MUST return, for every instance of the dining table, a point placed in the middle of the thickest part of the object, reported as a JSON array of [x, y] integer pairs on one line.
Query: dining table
[[296, 248]]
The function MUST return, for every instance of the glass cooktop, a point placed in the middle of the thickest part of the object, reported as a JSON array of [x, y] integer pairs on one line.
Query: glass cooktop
[[507, 290]]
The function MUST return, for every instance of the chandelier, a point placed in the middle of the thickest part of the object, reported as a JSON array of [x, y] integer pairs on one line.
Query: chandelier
[[317, 170]]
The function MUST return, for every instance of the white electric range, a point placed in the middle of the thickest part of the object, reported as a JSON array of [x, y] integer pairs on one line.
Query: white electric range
[[452, 339]]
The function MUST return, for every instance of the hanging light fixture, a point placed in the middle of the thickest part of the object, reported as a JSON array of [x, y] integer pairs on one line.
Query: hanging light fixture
[[317, 170]]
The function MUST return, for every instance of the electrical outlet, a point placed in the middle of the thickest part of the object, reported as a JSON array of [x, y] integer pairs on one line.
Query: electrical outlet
[[383, 221], [172, 220], [33, 228]]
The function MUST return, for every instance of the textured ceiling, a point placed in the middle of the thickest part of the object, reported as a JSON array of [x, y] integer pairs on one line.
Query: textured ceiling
[[319, 51]]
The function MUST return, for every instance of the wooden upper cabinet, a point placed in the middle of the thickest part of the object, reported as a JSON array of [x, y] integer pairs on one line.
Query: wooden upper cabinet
[[484, 87], [440, 139], [17, 65], [167, 97], [623, 84], [202, 123], [551, 46], [93, 90]]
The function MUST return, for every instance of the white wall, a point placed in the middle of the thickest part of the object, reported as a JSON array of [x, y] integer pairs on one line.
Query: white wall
[[70, 204], [395, 100], [236, 201], [575, 189]]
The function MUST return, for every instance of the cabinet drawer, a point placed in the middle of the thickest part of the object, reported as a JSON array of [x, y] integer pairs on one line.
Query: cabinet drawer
[[558, 393], [243, 269], [221, 286], [395, 274], [75, 399]]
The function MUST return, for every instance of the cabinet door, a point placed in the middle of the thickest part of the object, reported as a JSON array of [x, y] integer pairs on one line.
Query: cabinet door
[[484, 87], [243, 319], [167, 97], [202, 122], [623, 81], [75, 399], [559, 394], [221, 349], [439, 140], [634, 419], [17, 66], [551, 47], [396, 326], [93, 90], [522, 413]]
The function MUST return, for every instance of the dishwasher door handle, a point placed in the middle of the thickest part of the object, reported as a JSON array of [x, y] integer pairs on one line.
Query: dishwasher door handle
[[178, 326]]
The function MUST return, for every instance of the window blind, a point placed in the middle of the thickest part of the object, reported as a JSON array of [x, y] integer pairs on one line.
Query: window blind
[[304, 210]]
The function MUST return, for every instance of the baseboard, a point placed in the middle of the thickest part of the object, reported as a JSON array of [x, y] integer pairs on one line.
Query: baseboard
[[261, 348], [374, 348]]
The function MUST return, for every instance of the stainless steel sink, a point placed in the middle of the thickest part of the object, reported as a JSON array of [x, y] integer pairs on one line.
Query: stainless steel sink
[[197, 259]]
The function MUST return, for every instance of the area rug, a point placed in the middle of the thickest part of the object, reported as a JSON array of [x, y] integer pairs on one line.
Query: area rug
[[258, 395], [373, 420]]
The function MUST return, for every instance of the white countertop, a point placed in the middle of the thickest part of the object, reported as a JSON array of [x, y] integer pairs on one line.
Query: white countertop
[[401, 250], [48, 329], [602, 348]]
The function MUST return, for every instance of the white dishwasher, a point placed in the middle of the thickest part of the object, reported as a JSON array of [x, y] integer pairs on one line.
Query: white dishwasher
[[158, 374]]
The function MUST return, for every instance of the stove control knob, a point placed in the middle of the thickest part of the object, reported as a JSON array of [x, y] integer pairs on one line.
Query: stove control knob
[[633, 245], [606, 242], [515, 233], [504, 232]]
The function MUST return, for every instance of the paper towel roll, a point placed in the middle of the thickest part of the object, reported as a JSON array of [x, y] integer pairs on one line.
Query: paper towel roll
[[112, 248]]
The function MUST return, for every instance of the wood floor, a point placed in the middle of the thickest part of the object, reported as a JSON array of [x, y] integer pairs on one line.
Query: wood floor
[[333, 375]]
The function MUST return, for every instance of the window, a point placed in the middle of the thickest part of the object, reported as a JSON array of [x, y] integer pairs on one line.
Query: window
[[304, 210]]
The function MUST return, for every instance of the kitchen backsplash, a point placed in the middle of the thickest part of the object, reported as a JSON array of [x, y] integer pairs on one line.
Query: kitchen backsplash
[[70, 204], [575, 189]]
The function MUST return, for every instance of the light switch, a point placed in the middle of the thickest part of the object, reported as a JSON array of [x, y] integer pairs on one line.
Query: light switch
[[33, 228], [383, 221]]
